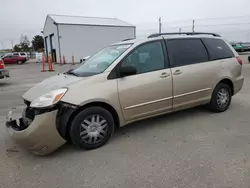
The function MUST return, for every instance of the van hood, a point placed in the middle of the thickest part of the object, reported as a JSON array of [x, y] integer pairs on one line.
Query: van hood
[[50, 84]]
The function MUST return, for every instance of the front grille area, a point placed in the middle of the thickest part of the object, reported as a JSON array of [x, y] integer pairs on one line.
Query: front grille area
[[30, 113]]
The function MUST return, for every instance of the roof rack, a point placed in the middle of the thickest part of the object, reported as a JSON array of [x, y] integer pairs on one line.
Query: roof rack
[[128, 39], [185, 33]]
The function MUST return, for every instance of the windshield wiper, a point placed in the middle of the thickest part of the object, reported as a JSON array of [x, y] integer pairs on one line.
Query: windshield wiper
[[70, 72]]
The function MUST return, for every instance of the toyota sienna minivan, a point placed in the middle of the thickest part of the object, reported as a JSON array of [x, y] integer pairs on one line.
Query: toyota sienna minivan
[[126, 82]]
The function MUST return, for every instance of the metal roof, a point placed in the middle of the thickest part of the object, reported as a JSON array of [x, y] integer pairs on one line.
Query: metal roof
[[81, 20]]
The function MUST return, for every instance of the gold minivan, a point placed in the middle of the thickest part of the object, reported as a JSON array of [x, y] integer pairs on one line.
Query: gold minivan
[[126, 82]]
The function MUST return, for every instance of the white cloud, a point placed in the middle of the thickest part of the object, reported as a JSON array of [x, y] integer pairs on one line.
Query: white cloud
[[17, 17]]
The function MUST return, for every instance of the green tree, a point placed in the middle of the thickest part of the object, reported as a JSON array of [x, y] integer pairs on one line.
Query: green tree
[[17, 48], [37, 43], [24, 43]]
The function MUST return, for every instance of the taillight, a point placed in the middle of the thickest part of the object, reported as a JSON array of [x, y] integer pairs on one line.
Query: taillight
[[239, 60], [1, 64]]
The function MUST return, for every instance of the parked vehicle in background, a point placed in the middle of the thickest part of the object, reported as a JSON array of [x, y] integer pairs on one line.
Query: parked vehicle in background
[[238, 47], [14, 59], [22, 54], [7, 54], [3, 71], [39, 57], [249, 59], [246, 46], [127, 82]]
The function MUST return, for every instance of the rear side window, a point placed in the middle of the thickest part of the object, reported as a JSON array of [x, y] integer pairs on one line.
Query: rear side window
[[217, 49], [22, 53], [186, 51]]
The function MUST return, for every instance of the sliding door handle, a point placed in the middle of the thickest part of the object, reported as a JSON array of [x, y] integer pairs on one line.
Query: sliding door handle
[[177, 72]]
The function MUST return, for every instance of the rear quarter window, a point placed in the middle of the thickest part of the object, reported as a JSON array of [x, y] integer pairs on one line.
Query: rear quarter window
[[217, 49], [184, 52]]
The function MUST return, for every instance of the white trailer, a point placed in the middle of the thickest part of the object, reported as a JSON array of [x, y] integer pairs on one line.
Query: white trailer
[[82, 36]]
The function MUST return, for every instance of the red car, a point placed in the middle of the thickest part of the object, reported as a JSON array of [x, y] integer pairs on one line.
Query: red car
[[12, 59]]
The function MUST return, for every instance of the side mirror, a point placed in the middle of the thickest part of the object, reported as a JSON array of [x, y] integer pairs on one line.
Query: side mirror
[[84, 59], [127, 71]]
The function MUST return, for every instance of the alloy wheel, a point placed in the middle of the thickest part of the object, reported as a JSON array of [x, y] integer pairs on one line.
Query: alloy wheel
[[223, 98], [93, 129]]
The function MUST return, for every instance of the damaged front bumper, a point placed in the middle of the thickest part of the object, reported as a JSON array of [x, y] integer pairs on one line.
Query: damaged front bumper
[[4, 73], [40, 136]]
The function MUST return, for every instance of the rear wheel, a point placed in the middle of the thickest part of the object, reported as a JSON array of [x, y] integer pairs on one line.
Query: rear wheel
[[92, 128], [221, 98], [19, 62]]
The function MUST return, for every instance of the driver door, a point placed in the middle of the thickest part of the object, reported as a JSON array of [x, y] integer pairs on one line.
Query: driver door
[[7, 59], [149, 92]]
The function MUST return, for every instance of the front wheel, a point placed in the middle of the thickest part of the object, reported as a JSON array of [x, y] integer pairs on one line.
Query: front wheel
[[19, 62], [221, 98], [92, 128]]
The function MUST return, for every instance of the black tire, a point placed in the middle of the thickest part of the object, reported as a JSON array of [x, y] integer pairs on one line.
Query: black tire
[[76, 126], [214, 104], [19, 62]]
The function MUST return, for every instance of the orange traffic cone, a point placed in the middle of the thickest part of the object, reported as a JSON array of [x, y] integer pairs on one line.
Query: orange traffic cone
[[43, 63], [50, 64], [61, 61], [64, 62]]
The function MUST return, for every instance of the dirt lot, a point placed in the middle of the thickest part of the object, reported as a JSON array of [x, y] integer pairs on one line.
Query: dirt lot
[[192, 148]]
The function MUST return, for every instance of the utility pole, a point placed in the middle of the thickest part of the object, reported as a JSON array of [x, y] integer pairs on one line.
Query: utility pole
[[12, 43], [2, 44], [160, 24], [193, 26], [180, 30]]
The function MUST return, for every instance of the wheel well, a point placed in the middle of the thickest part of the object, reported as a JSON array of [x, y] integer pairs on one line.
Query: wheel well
[[99, 104], [229, 83]]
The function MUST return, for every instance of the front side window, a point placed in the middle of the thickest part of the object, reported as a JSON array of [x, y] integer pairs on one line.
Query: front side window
[[184, 52], [146, 58], [218, 49], [101, 60]]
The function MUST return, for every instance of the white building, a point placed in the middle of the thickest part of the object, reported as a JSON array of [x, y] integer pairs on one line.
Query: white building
[[82, 36]]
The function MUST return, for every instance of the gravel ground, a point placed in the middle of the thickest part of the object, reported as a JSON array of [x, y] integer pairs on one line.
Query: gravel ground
[[191, 148]]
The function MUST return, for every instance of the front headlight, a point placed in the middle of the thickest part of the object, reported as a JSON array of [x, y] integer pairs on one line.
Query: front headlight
[[49, 99]]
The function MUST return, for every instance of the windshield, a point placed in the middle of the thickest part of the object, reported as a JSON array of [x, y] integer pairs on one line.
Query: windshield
[[101, 60]]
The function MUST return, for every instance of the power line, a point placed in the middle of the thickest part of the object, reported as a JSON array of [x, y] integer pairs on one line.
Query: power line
[[211, 25], [210, 18], [229, 17], [224, 24]]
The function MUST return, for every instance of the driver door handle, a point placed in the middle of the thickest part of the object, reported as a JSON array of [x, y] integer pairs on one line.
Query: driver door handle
[[164, 75], [177, 72]]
